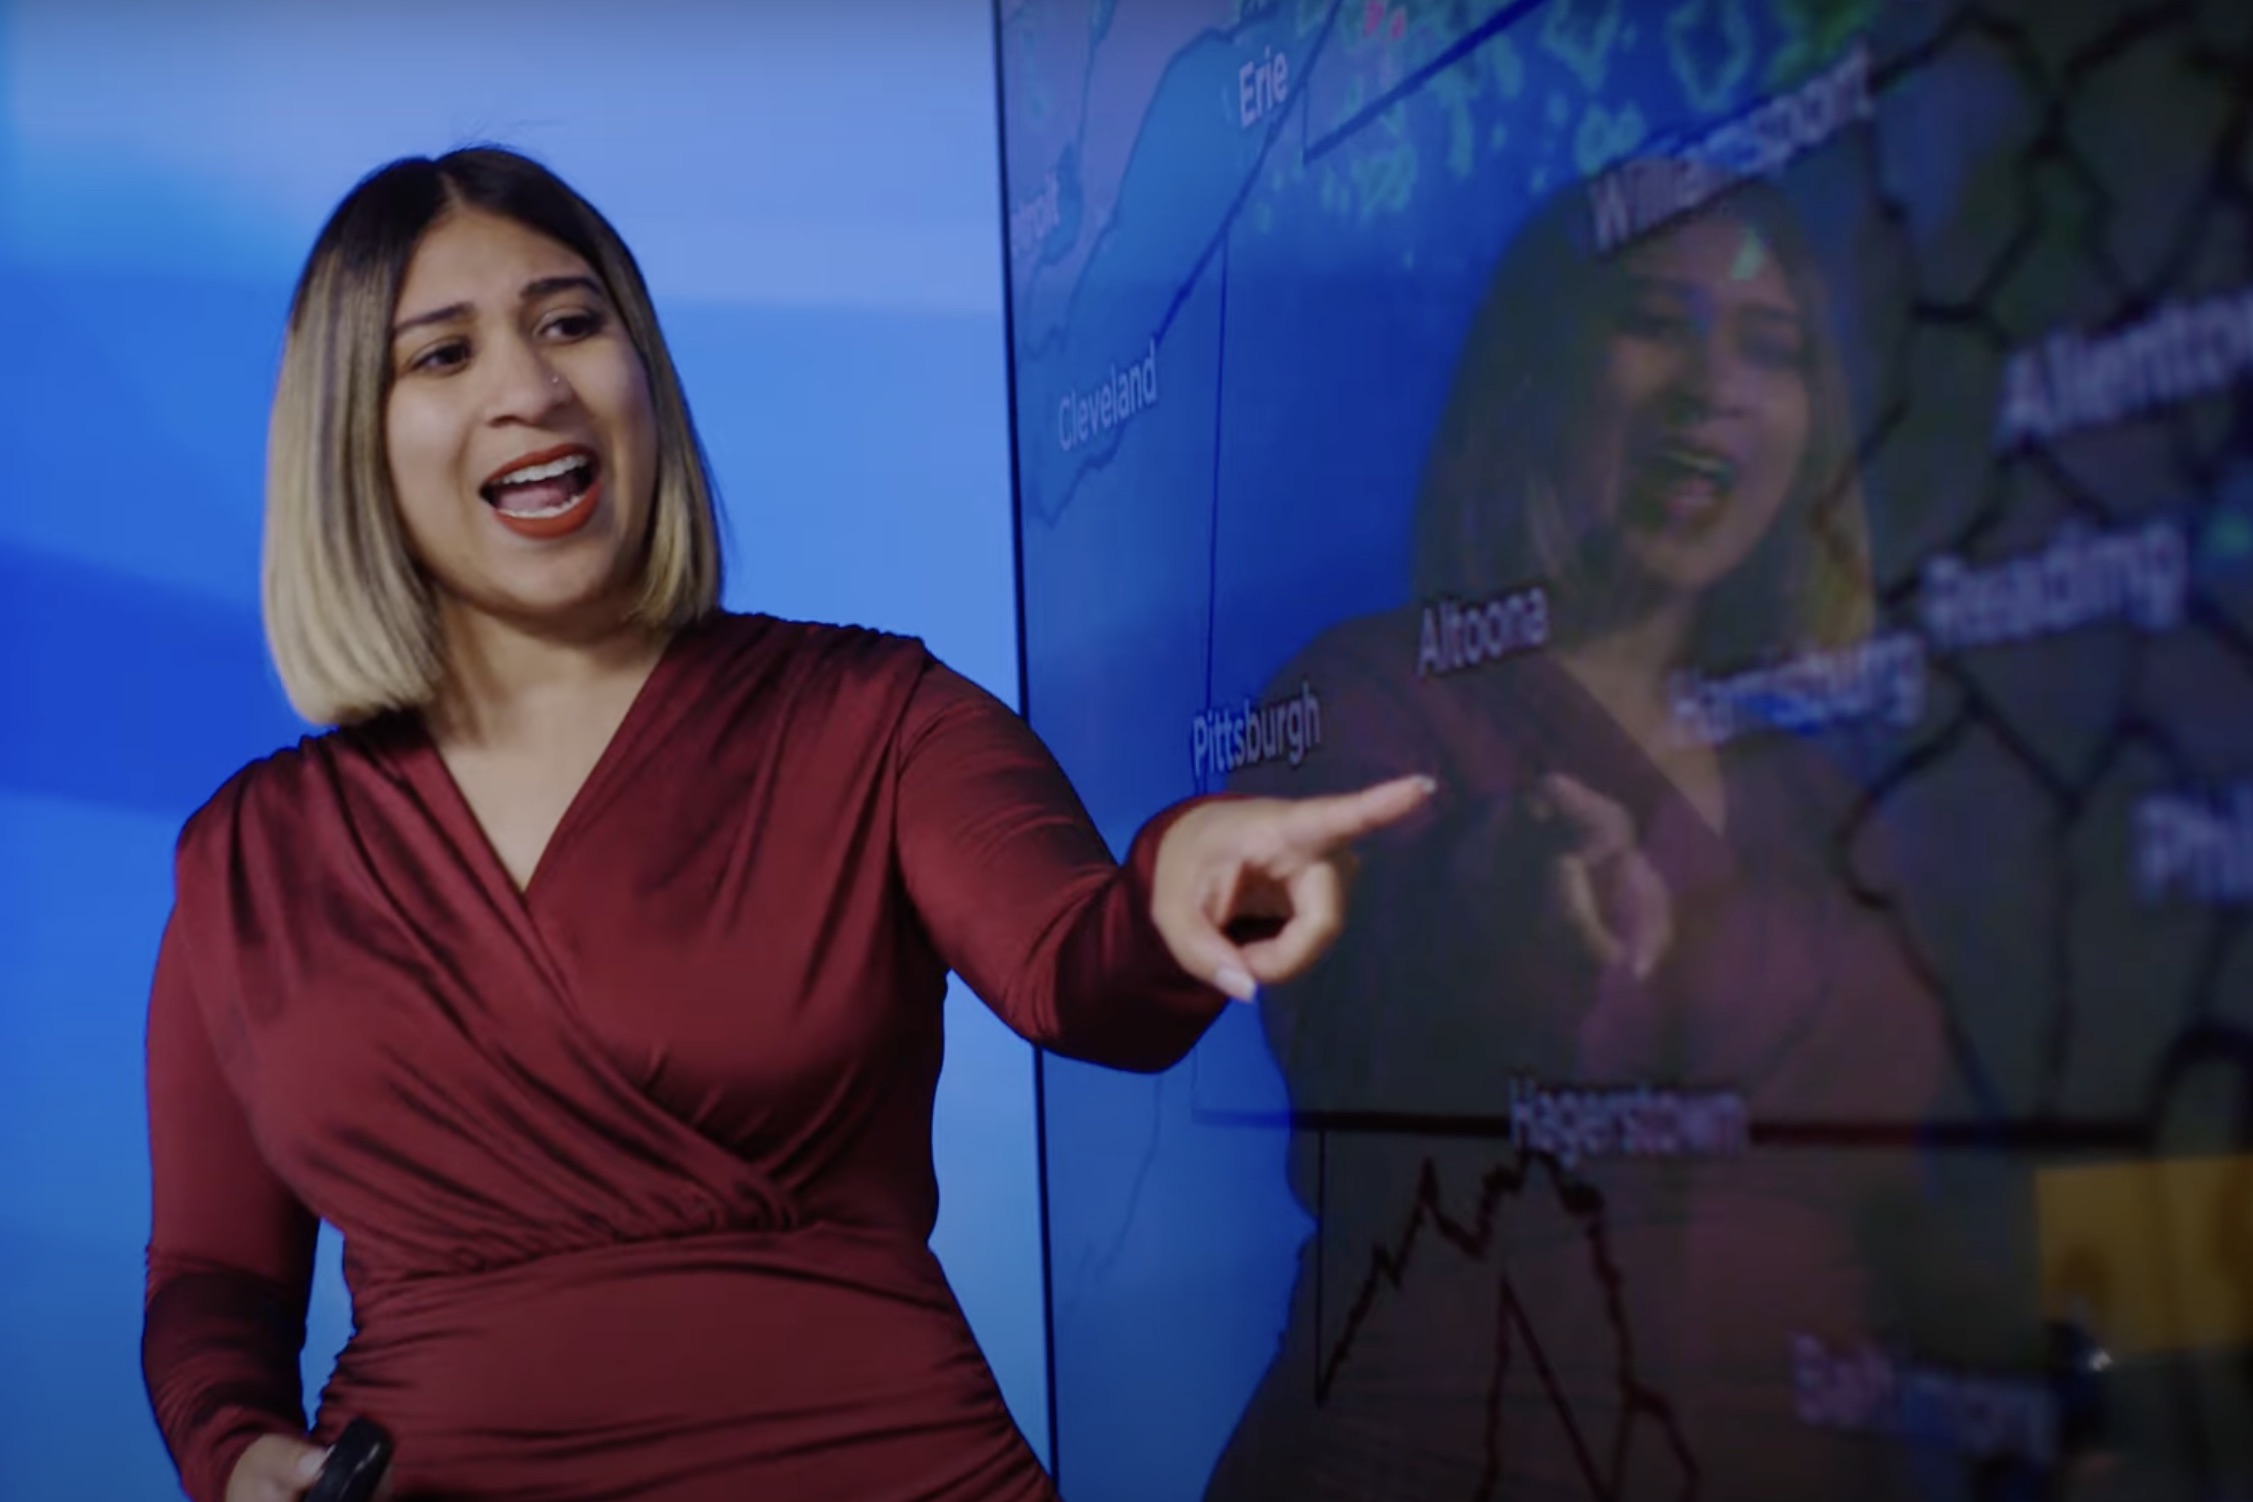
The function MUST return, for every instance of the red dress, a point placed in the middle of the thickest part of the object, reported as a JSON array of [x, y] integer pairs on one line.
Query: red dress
[[633, 1169]]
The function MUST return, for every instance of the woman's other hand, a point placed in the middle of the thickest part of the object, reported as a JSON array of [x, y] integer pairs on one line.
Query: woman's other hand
[[278, 1468], [1604, 888]]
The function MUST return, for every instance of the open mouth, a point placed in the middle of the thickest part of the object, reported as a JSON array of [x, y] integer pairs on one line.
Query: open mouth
[[1683, 485], [545, 495]]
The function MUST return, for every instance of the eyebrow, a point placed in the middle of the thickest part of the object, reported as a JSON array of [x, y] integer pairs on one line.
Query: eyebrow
[[1692, 291], [546, 286]]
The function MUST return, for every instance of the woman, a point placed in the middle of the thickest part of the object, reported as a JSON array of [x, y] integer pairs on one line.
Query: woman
[[587, 976], [1644, 471]]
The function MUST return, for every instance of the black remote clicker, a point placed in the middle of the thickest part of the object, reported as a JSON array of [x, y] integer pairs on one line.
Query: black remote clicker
[[355, 1465]]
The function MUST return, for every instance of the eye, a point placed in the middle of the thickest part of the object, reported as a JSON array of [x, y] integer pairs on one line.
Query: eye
[[1649, 311], [441, 358], [1774, 343], [1651, 318], [576, 324]]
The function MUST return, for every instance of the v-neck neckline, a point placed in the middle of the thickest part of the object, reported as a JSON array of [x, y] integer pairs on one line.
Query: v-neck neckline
[[1663, 812], [426, 765]]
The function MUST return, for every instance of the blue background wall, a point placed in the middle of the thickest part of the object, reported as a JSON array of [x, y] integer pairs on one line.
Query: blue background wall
[[812, 192]]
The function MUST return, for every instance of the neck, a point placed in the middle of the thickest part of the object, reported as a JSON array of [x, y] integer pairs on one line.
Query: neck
[[1625, 661], [508, 684]]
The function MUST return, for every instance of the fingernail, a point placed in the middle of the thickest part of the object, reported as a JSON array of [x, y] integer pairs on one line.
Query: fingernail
[[1237, 984], [1427, 785]]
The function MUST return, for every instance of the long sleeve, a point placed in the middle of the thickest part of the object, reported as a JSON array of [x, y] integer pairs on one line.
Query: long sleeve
[[1020, 895], [230, 1257]]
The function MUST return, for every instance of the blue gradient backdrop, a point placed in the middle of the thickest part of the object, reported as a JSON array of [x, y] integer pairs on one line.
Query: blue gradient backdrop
[[812, 191]]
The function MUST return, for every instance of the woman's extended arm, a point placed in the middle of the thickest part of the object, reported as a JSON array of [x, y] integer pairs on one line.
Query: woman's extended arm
[[1021, 896]]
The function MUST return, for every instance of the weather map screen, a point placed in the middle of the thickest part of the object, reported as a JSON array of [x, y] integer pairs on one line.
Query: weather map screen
[[1783, 468]]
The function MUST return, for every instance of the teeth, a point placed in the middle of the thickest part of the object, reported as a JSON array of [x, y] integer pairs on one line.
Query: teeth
[[1705, 466], [548, 471], [545, 512]]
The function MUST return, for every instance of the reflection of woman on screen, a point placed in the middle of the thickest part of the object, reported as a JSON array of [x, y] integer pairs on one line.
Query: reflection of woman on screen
[[1659, 440]]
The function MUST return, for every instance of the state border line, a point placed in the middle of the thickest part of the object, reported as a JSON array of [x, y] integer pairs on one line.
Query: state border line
[[1058, 335], [1462, 47], [2026, 1134], [1059, 332], [1212, 530]]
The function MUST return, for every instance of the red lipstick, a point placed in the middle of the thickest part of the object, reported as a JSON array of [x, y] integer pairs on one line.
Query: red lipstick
[[546, 495]]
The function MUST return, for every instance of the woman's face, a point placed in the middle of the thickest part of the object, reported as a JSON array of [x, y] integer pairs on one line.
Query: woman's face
[[1700, 413], [519, 428]]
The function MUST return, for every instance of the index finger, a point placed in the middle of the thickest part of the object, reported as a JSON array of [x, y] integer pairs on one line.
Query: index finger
[[1341, 818], [1603, 826]]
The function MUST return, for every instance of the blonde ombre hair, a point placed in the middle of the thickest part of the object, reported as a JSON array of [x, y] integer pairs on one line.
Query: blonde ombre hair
[[1493, 513], [351, 619]]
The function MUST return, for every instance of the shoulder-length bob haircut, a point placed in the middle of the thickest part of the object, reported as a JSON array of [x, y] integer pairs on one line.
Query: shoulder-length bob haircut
[[1491, 514], [350, 617]]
